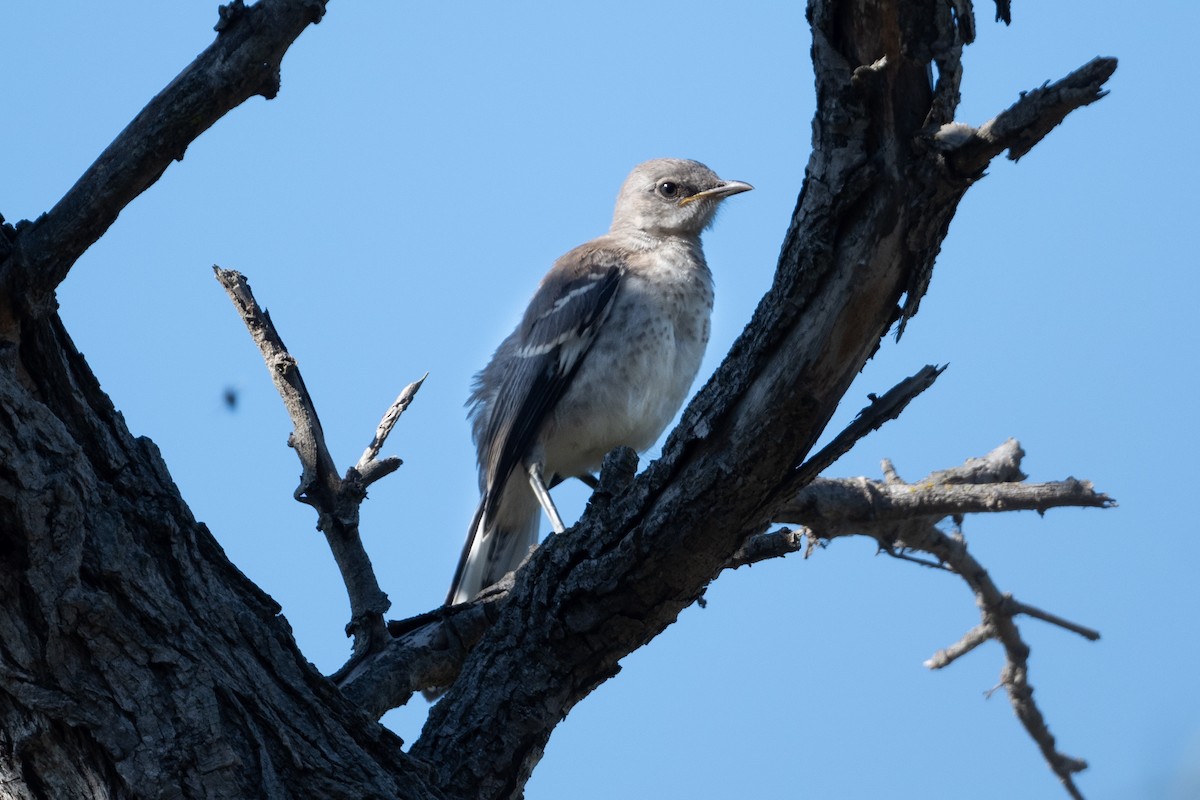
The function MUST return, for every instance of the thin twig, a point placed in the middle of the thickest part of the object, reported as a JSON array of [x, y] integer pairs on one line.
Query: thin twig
[[900, 555], [388, 422], [882, 408], [1091, 634], [972, 639]]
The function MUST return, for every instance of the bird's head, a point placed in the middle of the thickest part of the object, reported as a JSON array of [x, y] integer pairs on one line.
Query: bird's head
[[671, 196]]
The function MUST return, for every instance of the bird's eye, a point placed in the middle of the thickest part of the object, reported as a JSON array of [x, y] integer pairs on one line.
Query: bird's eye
[[668, 189]]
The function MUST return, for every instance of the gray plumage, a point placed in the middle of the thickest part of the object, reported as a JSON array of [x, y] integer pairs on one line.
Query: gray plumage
[[603, 357]]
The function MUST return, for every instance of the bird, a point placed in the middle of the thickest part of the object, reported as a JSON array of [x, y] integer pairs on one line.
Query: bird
[[603, 356]]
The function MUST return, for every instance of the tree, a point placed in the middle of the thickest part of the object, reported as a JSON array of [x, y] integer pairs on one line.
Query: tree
[[139, 659]]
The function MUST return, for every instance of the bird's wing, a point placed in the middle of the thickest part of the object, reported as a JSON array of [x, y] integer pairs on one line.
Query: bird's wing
[[559, 327]]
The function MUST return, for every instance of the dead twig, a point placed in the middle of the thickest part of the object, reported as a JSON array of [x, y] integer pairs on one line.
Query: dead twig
[[336, 500]]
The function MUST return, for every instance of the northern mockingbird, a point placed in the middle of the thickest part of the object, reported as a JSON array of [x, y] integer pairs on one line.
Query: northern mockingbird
[[603, 357]]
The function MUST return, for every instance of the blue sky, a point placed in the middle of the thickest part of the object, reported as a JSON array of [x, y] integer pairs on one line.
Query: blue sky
[[421, 168]]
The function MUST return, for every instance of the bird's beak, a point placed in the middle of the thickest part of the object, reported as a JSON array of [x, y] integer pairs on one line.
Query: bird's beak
[[721, 190]]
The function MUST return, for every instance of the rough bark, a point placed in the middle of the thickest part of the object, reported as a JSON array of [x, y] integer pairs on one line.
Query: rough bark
[[136, 661]]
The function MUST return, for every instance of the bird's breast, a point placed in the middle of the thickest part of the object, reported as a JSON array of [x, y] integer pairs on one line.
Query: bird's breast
[[638, 372]]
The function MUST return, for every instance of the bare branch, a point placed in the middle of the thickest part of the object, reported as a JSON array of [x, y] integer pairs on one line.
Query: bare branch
[[426, 651], [319, 481], [1001, 465], [917, 532], [336, 501], [1027, 121], [902, 518], [1017, 607], [385, 426], [889, 472], [972, 639], [882, 408], [862, 501], [772, 544], [242, 62], [902, 554], [997, 615]]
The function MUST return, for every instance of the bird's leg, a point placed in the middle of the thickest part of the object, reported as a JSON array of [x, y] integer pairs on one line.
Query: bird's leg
[[543, 496]]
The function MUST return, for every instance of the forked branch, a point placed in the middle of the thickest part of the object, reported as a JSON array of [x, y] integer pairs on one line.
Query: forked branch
[[336, 499], [903, 519]]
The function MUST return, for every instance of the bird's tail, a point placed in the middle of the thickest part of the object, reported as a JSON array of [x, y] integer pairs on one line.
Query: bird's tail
[[495, 546]]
